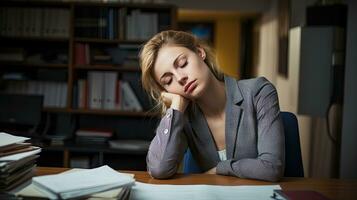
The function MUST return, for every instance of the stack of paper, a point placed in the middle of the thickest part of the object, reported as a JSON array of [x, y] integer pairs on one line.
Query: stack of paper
[[200, 192], [82, 183], [17, 161]]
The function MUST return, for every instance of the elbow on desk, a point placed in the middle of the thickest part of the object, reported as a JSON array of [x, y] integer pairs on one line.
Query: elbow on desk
[[274, 176], [160, 172]]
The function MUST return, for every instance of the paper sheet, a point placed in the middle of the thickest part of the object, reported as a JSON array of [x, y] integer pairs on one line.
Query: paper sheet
[[7, 139], [20, 155], [200, 192], [32, 191], [81, 183]]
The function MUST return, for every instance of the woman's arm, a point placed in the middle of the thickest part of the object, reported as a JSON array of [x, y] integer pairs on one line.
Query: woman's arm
[[167, 148], [269, 164]]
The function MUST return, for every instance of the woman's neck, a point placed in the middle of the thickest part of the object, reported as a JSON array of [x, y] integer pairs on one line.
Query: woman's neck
[[213, 101]]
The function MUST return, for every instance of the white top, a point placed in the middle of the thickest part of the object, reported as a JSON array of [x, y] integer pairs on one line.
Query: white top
[[222, 154]]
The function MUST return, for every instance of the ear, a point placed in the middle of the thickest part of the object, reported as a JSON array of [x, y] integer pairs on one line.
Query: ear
[[201, 52]]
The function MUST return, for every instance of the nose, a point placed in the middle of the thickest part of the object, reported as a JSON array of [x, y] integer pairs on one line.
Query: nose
[[181, 78]]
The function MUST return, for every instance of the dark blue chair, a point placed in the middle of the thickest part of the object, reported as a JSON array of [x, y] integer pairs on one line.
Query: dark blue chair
[[293, 159]]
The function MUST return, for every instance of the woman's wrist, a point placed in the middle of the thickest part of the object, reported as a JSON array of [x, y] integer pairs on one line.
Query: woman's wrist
[[178, 104]]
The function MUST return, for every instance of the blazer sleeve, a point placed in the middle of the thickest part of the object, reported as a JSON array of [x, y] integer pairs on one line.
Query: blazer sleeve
[[168, 146], [269, 164]]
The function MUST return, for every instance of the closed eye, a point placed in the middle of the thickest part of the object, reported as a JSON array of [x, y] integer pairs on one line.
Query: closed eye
[[182, 63], [167, 80]]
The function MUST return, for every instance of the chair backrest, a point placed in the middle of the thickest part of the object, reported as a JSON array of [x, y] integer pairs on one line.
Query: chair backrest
[[189, 164], [293, 159]]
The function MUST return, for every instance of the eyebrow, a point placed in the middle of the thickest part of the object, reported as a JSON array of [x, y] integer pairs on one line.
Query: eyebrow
[[174, 63]]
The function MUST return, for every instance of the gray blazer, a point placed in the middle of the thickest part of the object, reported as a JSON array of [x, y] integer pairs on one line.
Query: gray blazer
[[253, 130]]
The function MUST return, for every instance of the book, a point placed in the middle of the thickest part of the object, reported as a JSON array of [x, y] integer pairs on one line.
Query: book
[[130, 100], [297, 194], [17, 161], [82, 183], [32, 192], [133, 145], [8, 139]]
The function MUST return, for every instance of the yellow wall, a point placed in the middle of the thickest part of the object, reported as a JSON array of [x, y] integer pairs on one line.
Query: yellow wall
[[227, 36]]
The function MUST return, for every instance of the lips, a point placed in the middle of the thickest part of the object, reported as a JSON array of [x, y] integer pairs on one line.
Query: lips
[[188, 86]]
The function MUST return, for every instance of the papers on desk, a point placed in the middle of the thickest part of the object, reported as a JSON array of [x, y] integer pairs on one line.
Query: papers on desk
[[8, 139], [82, 183], [17, 161], [205, 192]]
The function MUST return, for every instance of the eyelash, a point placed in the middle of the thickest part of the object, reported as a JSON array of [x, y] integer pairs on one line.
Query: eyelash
[[169, 82], [184, 64]]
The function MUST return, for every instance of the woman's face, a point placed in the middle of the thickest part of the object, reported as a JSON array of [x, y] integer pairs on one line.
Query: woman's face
[[181, 71]]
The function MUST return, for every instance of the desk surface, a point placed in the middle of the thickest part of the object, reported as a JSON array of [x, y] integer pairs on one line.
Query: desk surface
[[332, 188]]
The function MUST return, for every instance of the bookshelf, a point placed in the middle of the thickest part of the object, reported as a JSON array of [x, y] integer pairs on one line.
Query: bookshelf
[[59, 49]]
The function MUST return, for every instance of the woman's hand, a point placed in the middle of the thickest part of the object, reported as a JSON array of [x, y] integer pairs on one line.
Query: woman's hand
[[175, 101], [211, 171]]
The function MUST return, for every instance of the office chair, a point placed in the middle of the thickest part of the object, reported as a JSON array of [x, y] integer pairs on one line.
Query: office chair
[[293, 159]]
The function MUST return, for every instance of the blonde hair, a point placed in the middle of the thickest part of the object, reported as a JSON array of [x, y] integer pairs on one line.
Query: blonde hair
[[149, 52]]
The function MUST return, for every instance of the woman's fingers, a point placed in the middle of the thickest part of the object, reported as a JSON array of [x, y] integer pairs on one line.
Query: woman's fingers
[[174, 101]]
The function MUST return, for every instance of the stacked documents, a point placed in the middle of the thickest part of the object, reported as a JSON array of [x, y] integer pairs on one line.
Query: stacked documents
[[17, 161], [99, 183]]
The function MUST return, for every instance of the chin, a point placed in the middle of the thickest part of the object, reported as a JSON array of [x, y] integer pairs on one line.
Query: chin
[[196, 94]]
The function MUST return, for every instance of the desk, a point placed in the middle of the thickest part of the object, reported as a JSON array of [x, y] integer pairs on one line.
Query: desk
[[332, 188]]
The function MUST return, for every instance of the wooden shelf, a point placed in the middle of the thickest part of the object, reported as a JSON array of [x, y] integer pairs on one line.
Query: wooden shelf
[[75, 147], [39, 3], [108, 67], [101, 112], [108, 41], [56, 110], [140, 124], [111, 112], [32, 65], [33, 38]]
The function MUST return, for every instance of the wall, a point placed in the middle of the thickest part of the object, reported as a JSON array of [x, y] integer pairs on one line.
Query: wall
[[318, 152], [267, 65], [227, 36], [317, 149], [348, 166]]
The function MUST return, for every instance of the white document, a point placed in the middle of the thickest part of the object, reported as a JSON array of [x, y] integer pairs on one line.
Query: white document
[[200, 192], [81, 183], [32, 190], [7, 139], [19, 156]]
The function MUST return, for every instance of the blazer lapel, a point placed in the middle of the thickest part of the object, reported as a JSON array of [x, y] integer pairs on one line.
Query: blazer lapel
[[233, 114], [203, 137]]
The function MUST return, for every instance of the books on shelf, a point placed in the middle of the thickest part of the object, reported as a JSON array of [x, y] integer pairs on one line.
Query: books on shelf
[[12, 54], [93, 136], [104, 90], [80, 162], [102, 22], [132, 145], [141, 25], [34, 22], [102, 183], [55, 93], [17, 161], [129, 100], [121, 56]]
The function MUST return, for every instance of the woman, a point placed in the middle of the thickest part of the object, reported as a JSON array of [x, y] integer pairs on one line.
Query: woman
[[231, 127]]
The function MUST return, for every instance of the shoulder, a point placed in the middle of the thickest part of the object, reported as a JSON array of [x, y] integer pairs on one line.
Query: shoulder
[[255, 86]]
